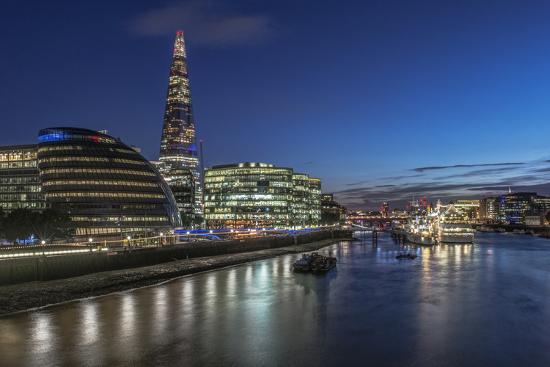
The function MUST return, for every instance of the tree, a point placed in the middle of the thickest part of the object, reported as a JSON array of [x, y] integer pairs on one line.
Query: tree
[[186, 219], [17, 225], [2, 219], [51, 224]]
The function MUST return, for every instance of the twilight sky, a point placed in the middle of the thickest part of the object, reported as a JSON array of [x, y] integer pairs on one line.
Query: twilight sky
[[383, 100]]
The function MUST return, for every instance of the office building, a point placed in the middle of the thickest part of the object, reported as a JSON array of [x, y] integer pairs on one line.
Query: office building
[[306, 200], [19, 179], [260, 195], [469, 207], [106, 187]]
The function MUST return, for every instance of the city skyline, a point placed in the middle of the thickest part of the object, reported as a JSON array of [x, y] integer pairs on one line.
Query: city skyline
[[378, 112]]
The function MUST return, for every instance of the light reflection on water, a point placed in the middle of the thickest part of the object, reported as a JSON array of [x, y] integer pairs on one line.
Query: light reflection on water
[[474, 305]]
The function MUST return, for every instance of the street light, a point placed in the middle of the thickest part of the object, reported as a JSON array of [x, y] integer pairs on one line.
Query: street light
[[43, 242], [90, 239]]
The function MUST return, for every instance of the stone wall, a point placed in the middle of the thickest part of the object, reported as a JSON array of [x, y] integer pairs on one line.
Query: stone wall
[[58, 267]]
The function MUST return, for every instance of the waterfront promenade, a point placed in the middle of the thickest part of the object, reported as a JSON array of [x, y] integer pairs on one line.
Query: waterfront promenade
[[464, 305]]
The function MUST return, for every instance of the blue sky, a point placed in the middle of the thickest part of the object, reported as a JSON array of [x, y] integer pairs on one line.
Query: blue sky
[[361, 94]]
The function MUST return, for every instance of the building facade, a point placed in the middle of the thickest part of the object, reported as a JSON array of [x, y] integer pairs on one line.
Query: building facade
[[182, 183], [514, 206], [178, 148], [106, 187], [19, 180], [489, 209], [469, 207], [306, 200], [331, 212], [260, 195]]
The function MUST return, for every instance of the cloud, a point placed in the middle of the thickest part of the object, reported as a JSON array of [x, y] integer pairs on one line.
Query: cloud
[[400, 194], [205, 22], [449, 182], [432, 168], [481, 172], [357, 183]]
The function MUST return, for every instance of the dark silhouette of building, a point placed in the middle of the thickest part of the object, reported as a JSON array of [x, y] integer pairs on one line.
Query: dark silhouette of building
[[331, 212]]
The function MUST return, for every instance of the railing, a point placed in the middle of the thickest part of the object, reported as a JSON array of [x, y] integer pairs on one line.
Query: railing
[[134, 243]]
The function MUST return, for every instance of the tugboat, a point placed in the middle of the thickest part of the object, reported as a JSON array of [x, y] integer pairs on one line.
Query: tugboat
[[314, 263], [408, 256], [322, 264]]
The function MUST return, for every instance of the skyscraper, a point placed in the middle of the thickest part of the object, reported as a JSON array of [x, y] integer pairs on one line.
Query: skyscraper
[[178, 149]]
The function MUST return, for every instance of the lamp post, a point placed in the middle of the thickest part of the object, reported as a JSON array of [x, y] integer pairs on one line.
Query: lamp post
[[90, 240], [161, 235]]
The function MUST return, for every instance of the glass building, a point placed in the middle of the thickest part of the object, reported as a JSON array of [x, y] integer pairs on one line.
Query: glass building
[[182, 184], [19, 179], [306, 200], [178, 148], [260, 195], [107, 187]]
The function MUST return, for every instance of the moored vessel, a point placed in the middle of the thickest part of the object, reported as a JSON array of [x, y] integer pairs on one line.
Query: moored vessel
[[314, 263], [455, 233], [452, 227], [418, 231]]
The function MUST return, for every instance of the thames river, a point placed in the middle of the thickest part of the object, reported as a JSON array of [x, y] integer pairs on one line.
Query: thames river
[[486, 304]]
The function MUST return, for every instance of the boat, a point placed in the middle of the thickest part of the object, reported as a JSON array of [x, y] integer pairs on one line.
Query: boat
[[421, 238], [418, 231], [408, 256], [322, 264], [314, 263], [485, 229], [452, 227], [303, 264], [455, 233]]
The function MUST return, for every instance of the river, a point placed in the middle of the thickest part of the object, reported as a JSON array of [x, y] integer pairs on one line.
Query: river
[[486, 304]]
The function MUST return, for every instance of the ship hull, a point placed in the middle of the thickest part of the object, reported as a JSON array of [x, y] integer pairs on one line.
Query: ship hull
[[456, 239], [420, 240]]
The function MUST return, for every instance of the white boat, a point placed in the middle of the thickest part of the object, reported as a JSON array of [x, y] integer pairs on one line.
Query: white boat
[[455, 233], [418, 231], [422, 238], [452, 227]]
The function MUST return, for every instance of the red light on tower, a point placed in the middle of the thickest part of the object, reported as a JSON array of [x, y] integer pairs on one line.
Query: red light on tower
[[424, 202]]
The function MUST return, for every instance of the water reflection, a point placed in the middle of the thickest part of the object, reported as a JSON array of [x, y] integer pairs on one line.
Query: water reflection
[[461, 303], [89, 327]]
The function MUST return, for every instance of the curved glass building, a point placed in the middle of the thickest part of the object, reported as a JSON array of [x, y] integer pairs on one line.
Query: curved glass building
[[107, 187]]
